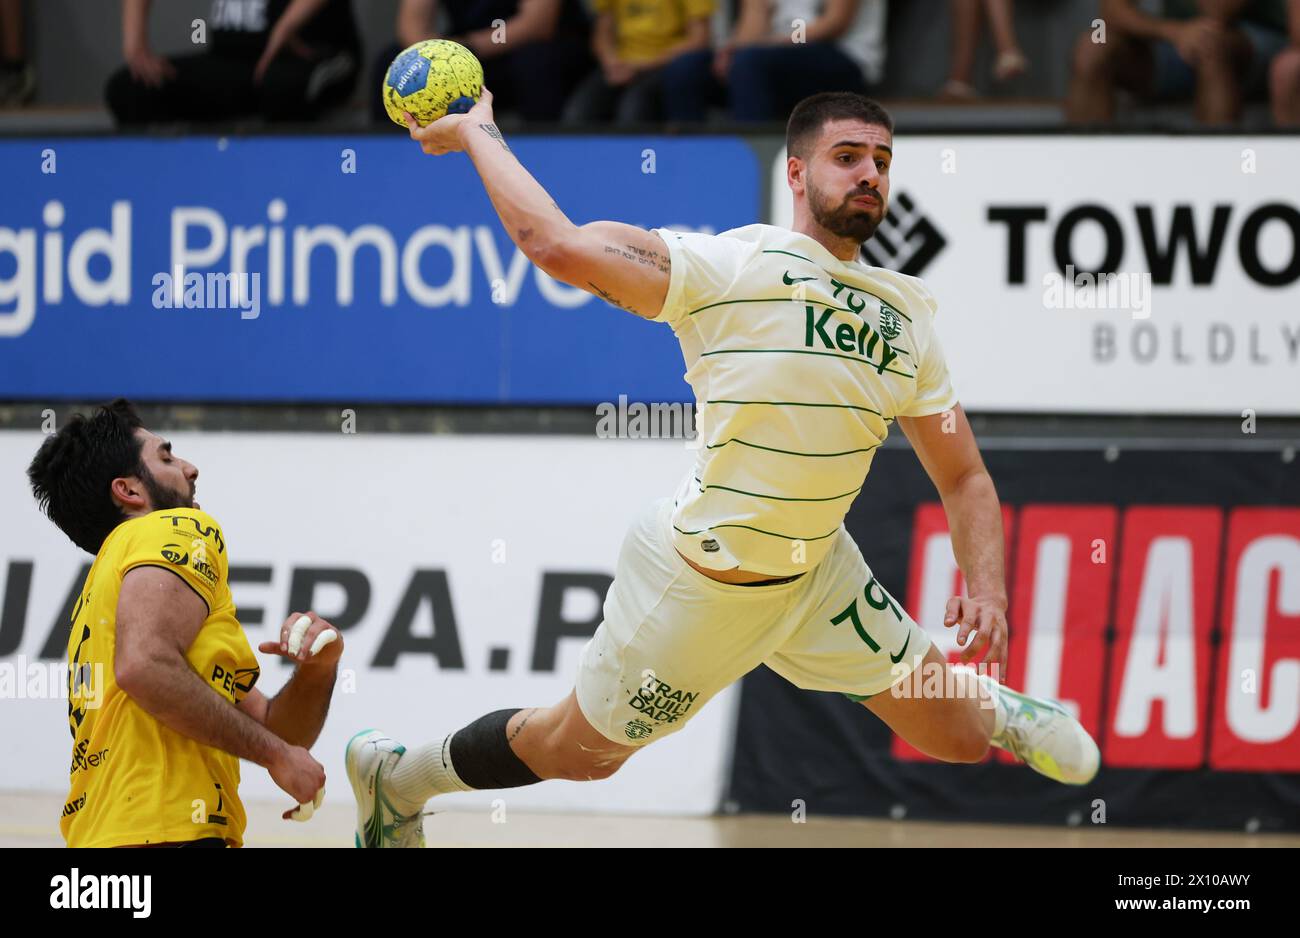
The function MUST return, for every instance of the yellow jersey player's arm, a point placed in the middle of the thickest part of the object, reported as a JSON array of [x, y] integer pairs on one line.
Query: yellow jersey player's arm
[[158, 617], [297, 713]]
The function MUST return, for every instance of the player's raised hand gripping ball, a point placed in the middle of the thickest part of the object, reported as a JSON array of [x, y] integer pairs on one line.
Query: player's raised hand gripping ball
[[431, 79]]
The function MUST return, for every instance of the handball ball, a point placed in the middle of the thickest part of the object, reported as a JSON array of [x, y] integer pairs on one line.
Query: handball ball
[[431, 79]]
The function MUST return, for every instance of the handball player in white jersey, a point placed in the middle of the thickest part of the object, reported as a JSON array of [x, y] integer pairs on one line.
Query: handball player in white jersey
[[800, 357]]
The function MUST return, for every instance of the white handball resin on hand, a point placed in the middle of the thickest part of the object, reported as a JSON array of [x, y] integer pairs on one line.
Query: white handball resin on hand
[[323, 639], [297, 632], [305, 810]]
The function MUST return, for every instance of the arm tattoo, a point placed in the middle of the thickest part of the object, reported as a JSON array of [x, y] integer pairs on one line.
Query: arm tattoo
[[607, 298], [642, 256], [518, 729], [491, 131]]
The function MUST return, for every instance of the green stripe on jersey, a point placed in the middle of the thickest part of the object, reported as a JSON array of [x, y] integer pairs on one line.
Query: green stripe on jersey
[[788, 537], [788, 452], [770, 299], [800, 351], [779, 498], [798, 404], [791, 254]]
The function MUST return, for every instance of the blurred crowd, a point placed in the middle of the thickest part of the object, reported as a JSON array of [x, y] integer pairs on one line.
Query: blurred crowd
[[634, 62]]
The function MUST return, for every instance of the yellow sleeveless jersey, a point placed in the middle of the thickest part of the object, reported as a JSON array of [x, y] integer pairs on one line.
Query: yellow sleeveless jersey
[[134, 780]]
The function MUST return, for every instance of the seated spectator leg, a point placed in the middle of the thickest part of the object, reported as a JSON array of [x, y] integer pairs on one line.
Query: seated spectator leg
[[821, 66], [1099, 68], [593, 101], [295, 89], [498, 77], [544, 74], [1284, 87], [1220, 71], [966, 19], [379, 73], [642, 100], [767, 81], [1266, 47], [334, 80], [748, 79], [689, 86], [206, 87], [578, 62]]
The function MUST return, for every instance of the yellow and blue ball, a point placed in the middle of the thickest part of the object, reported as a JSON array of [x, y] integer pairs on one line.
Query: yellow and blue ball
[[431, 79]]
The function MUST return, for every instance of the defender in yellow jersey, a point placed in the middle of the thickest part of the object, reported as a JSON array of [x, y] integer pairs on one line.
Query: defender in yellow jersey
[[162, 703]]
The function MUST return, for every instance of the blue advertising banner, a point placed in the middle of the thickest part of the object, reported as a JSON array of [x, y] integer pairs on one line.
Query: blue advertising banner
[[331, 269]]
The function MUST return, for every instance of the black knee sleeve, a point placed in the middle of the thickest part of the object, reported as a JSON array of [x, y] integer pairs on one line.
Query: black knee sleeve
[[482, 757]]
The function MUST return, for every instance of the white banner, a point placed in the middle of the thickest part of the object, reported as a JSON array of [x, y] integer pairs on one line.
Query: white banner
[[476, 563], [1202, 236]]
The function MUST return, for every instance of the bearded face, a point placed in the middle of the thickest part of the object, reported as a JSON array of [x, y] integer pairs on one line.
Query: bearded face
[[854, 213]]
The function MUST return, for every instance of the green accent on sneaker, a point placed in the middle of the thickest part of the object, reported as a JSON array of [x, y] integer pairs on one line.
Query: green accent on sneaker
[[1025, 700]]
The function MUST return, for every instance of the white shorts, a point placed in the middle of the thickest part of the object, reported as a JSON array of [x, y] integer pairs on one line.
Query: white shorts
[[672, 638]]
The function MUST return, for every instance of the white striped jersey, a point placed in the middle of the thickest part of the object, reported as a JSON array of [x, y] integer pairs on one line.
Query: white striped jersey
[[799, 362]]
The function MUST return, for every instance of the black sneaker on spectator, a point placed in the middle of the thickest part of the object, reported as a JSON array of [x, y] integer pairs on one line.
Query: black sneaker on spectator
[[17, 84]]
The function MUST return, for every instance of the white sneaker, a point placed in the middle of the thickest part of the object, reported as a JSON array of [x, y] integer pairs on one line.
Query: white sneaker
[[1043, 735], [370, 757]]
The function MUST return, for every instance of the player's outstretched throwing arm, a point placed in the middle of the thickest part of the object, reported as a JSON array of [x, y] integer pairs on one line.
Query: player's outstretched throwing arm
[[622, 264]]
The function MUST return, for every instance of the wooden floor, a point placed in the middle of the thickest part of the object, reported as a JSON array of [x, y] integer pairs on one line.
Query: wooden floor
[[31, 820]]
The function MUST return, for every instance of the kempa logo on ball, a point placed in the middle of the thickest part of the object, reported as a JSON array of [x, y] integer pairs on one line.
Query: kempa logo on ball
[[408, 74]]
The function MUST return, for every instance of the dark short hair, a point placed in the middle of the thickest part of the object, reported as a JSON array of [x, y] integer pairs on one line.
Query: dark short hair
[[73, 470], [813, 113]]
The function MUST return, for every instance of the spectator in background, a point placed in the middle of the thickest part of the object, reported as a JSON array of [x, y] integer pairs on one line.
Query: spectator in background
[[285, 60], [633, 41], [1213, 51], [1284, 76], [17, 77], [534, 52], [780, 52], [966, 24]]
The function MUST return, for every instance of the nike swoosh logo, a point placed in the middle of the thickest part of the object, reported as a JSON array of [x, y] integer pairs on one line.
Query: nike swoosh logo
[[899, 657], [786, 278]]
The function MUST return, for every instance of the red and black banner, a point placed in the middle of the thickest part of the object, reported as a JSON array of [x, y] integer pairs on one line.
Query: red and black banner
[[1156, 593]]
